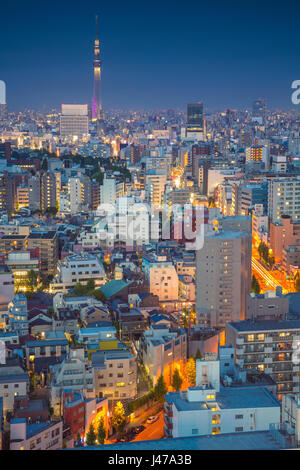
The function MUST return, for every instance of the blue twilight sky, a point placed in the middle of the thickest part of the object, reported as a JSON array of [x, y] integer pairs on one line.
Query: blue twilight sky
[[155, 54]]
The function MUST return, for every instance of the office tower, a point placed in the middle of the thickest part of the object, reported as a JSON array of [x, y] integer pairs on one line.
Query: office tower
[[86, 191], [110, 190], [47, 243], [257, 154], [3, 105], [294, 144], [223, 277], [34, 184], [251, 194], [47, 191], [135, 154], [284, 198], [97, 106], [155, 183], [259, 110], [74, 191], [74, 120], [7, 192], [95, 195], [195, 122], [5, 150], [200, 151]]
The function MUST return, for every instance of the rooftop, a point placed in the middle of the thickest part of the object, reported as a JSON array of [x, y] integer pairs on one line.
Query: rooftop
[[228, 398], [265, 325]]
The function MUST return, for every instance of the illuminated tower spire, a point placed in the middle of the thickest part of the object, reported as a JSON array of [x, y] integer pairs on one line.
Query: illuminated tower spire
[[97, 107]]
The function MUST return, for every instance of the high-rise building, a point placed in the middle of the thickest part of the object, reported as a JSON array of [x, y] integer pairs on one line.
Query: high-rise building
[[259, 110], [74, 120], [47, 242], [257, 154], [284, 198], [267, 346], [97, 106], [195, 123], [48, 191], [223, 277], [3, 105], [34, 184]]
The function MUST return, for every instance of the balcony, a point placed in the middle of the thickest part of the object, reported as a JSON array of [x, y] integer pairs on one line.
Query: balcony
[[167, 432], [168, 422]]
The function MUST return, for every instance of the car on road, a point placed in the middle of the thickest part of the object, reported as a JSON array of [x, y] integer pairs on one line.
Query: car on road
[[152, 419], [139, 429]]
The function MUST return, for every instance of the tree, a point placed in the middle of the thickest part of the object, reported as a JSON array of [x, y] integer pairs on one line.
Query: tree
[[31, 281], [160, 389], [90, 285], [176, 380], [91, 436], [78, 442], [118, 418], [198, 354], [101, 434], [255, 287], [99, 295], [52, 211], [191, 371]]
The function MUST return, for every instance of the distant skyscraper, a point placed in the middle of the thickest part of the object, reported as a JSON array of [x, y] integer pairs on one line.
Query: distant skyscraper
[[74, 120], [195, 124], [3, 105], [97, 106], [258, 110]]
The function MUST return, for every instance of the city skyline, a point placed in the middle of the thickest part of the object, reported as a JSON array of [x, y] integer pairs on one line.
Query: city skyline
[[146, 63]]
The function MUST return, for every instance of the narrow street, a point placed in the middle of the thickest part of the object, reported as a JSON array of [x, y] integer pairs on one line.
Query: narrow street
[[153, 431]]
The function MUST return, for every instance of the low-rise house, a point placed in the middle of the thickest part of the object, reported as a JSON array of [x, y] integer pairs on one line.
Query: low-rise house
[[115, 374], [35, 436], [73, 372], [80, 412], [132, 323], [106, 331], [77, 268], [163, 349], [14, 381]]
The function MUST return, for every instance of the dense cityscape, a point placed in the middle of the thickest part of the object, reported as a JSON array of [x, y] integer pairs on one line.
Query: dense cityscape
[[149, 276]]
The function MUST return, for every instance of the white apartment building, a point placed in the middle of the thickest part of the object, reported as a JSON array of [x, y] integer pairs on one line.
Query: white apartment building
[[110, 190], [74, 191], [115, 374], [156, 181], [94, 335], [74, 373], [284, 198], [209, 409], [163, 349], [162, 277], [77, 268], [14, 381], [7, 285]]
